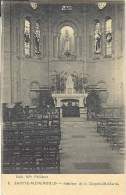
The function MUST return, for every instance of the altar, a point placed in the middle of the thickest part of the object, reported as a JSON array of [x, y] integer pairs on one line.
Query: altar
[[58, 98], [70, 99]]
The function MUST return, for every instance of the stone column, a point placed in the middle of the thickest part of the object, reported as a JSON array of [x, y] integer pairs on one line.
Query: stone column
[[58, 44], [7, 77], [84, 40], [55, 45], [117, 66], [77, 45]]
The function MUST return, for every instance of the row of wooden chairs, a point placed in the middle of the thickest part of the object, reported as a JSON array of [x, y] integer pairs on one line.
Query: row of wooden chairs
[[32, 160], [32, 146], [113, 130]]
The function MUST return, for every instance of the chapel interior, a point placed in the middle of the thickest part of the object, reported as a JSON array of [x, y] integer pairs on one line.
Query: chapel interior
[[63, 86]]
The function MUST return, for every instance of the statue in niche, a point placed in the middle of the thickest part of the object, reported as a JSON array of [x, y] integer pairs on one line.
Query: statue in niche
[[69, 85], [67, 41]]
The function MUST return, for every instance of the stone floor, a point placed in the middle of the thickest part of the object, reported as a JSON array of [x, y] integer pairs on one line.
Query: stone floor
[[85, 151]]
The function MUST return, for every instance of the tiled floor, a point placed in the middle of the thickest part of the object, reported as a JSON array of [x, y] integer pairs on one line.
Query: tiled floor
[[85, 151]]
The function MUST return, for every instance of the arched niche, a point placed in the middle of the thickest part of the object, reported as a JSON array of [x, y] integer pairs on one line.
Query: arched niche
[[66, 41]]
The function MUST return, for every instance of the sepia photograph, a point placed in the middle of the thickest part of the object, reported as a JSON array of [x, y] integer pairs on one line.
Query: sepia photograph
[[62, 87]]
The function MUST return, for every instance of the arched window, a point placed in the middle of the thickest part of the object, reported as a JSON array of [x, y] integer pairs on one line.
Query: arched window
[[108, 37], [67, 41], [97, 37], [27, 37], [37, 38]]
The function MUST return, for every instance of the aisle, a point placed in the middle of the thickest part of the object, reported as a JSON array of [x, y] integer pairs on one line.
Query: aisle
[[84, 151]]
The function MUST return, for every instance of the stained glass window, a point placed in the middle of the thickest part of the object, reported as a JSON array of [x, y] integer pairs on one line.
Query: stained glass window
[[37, 38], [108, 37], [97, 37], [27, 37]]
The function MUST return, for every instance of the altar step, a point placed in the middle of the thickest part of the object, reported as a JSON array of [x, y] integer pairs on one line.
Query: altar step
[[72, 119]]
